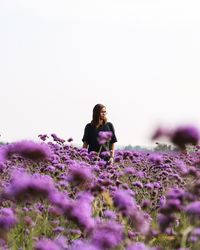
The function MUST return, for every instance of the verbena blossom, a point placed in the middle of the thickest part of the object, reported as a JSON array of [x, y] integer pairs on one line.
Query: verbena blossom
[[195, 235], [83, 245], [43, 137], [83, 216], [180, 136], [70, 139], [46, 244], [80, 174], [29, 149], [23, 186], [7, 219], [104, 136], [79, 211], [159, 132], [3, 157], [184, 135], [57, 139], [164, 221], [107, 235], [156, 158], [123, 201], [139, 246], [127, 205], [193, 209], [110, 215]]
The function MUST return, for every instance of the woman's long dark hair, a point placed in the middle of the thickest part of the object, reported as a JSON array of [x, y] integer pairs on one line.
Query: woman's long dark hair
[[96, 114]]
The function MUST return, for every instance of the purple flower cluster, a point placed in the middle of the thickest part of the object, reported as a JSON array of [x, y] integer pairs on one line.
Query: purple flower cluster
[[104, 136], [80, 174], [81, 203], [7, 219], [180, 136], [107, 235], [25, 187], [57, 139], [29, 149]]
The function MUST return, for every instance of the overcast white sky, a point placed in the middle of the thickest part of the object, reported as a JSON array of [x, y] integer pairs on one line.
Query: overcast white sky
[[58, 58]]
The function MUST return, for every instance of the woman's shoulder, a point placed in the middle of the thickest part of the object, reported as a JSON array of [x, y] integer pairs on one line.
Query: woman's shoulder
[[88, 125], [109, 124]]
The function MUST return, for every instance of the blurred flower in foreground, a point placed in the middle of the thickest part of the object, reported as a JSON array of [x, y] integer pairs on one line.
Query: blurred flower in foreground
[[127, 205], [29, 149], [104, 136], [7, 221], [139, 246], [107, 235], [185, 135], [80, 174], [24, 186], [193, 209], [46, 244], [180, 136]]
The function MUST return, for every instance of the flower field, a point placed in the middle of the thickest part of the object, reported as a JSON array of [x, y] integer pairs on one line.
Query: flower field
[[55, 196]]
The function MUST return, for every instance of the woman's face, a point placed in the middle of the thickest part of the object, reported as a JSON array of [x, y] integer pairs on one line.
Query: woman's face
[[103, 113]]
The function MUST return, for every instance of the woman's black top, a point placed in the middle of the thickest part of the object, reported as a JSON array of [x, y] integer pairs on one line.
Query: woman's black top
[[91, 136]]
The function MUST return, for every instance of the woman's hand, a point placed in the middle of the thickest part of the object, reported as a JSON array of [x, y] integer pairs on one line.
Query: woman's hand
[[111, 160]]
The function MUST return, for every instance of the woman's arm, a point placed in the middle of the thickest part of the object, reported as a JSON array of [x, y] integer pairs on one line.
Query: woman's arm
[[112, 151]]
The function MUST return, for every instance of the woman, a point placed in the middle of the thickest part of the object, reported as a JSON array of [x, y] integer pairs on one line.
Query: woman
[[91, 133]]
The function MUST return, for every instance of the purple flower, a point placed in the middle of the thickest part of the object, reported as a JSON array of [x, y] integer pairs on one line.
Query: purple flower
[[123, 201], [162, 201], [156, 184], [43, 137], [107, 235], [7, 219], [78, 211], [24, 186], [70, 139], [159, 132], [146, 203], [60, 200], [193, 209], [164, 221], [81, 245], [30, 150], [138, 184], [105, 154], [110, 214], [138, 246], [46, 244], [171, 205], [149, 185], [58, 229], [195, 234], [181, 167], [155, 158], [129, 170], [50, 169], [57, 139], [62, 242], [104, 136], [185, 135], [3, 154], [80, 174]]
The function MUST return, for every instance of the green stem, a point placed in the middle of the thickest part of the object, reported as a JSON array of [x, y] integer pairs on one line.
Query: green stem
[[184, 236], [100, 150]]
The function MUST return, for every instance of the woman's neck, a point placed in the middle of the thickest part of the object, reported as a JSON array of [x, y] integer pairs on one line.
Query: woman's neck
[[100, 123]]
